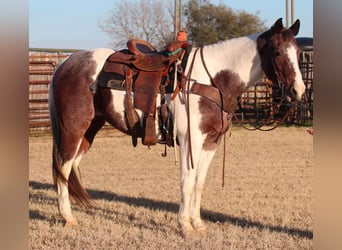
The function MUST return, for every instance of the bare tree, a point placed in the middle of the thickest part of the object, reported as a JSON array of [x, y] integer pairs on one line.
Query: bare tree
[[150, 20]]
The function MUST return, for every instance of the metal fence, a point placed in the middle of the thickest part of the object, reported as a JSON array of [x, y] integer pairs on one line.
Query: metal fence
[[257, 100], [42, 64]]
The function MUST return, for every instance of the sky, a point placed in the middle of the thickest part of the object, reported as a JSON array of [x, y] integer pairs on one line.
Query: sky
[[74, 24]]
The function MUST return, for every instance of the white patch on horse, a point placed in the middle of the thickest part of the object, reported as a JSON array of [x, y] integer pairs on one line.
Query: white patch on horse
[[298, 85], [227, 55], [118, 98], [76, 165], [99, 56]]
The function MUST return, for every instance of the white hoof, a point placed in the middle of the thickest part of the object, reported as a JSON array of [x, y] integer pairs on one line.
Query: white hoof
[[200, 227], [70, 222], [186, 229]]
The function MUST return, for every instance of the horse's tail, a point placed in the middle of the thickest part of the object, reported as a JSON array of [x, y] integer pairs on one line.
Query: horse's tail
[[76, 191]]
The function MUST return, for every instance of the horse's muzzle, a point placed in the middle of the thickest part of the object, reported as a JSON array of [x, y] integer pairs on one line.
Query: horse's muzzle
[[292, 95]]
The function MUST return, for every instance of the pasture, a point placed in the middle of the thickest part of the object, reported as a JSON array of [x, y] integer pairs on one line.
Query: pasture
[[266, 203]]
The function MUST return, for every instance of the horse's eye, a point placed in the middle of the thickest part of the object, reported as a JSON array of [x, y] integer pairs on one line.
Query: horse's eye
[[276, 53]]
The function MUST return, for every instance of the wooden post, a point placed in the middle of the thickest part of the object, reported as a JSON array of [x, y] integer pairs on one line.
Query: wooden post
[[292, 11], [287, 13], [175, 21], [177, 17]]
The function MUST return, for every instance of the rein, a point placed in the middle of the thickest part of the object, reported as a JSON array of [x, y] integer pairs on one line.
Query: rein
[[275, 110], [188, 106], [230, 115]]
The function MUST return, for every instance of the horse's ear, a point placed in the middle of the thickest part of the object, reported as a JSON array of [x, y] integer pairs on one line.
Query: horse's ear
[[295, 27], [278, 26]]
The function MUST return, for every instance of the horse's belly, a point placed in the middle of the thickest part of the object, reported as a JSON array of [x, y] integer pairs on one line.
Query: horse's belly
[[113, 108]]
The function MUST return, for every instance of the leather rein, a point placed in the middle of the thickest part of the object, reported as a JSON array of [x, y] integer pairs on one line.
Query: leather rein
[[274, 111]]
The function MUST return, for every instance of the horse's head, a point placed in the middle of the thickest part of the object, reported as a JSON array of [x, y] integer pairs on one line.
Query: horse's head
[[279, 55]]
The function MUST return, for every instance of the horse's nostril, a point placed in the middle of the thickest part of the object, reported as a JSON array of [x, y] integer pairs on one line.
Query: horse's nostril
[[293, 91]]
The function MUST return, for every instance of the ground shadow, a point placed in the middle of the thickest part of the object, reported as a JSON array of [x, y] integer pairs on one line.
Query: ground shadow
[[173, 207]]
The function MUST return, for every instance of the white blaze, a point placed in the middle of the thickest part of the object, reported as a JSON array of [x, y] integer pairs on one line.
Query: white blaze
[[298, 85]]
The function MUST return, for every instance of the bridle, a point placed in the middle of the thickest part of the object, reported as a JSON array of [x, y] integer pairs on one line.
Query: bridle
[[275, 106]]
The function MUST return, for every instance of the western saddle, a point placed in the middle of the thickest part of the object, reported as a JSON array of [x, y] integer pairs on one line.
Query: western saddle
[[142, 70]]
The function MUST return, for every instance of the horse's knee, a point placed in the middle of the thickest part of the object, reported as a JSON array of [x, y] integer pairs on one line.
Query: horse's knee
[[187, 189], [200, 186]]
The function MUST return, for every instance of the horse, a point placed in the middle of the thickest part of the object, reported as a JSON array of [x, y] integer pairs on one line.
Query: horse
[[200, 118]]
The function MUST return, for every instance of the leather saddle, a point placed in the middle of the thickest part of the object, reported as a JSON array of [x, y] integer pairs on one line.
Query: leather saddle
[[144, 57], [139, 69]]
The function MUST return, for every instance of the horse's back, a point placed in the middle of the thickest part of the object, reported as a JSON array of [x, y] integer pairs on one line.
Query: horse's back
[[73, 78], [81, 67]]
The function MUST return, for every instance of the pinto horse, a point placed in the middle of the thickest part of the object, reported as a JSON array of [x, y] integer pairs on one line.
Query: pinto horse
[[230, 67]]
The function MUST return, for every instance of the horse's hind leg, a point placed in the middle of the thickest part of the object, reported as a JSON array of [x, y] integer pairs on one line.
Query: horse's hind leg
[[87, 141], [61, 180], [74, 152]]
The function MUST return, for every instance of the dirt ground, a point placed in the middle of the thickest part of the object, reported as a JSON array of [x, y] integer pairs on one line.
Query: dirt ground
[[266, 203]]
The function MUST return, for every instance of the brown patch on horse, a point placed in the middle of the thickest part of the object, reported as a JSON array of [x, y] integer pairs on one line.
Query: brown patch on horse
[[74, 76], [231, 87], [272, 46], [215, 121], [96, 124]]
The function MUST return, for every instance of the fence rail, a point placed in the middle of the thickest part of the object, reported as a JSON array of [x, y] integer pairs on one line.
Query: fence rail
[[256, 101], [42, 64]]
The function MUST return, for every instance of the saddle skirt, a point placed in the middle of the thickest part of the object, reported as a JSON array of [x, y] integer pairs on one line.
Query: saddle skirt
[[142, 70]]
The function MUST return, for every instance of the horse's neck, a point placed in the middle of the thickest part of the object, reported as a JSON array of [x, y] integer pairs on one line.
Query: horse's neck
[[238, 55]]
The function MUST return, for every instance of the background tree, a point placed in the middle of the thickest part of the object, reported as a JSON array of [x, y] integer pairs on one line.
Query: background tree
[[209, 24], [150, 20]]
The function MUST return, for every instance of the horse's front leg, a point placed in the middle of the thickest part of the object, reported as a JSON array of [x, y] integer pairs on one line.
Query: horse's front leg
[[201, 170], [187, 184], [192, 185]]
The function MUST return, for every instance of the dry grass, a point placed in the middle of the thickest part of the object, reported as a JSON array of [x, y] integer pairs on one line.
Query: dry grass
[[267, 201]]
